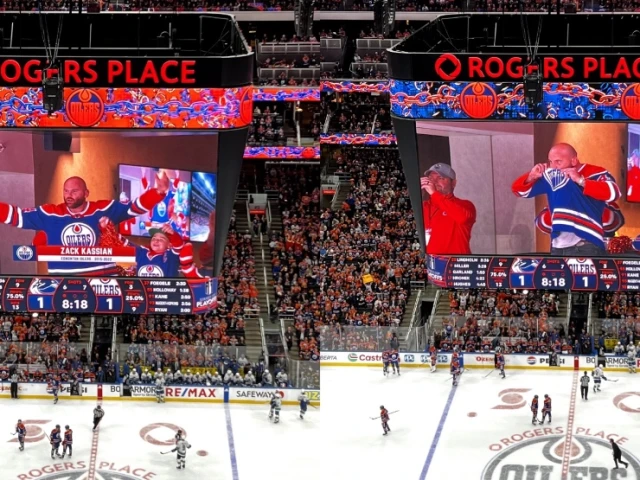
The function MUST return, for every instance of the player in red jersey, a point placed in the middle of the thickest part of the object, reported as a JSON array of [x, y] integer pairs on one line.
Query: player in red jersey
[[455, 372], [434, 358], [21, 430], [385, 362], [546, 408], [384, 417], [534, 409], [67, 443]]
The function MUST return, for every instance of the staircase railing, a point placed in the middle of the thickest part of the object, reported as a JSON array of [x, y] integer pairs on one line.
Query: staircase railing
[[92, 330], [114, 340], [432, 317], [414, 313], [569, 306], [265, 350], [590, 324], [282, 332]]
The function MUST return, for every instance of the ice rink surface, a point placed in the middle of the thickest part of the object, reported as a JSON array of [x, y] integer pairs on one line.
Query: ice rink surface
[[482, 429], [236, 444]]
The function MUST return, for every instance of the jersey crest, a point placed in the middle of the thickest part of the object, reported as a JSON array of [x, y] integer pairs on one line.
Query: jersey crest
[[78, 234]]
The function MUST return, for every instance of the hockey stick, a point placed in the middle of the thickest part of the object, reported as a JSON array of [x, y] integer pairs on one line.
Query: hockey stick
[[164, 453], [493, 370], [390, 413], [614, 380]]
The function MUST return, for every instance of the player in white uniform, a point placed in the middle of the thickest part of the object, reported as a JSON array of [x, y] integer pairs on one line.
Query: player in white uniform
[[159, 390], [181, 448], [304, 401], [631, 360], [597, 378], [276, 405]]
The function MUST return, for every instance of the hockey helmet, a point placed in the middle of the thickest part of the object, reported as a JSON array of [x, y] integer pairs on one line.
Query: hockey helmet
[[381, 407], [66, 427]]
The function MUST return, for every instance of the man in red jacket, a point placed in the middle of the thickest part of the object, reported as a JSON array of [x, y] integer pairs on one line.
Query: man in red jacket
[[448, 220]]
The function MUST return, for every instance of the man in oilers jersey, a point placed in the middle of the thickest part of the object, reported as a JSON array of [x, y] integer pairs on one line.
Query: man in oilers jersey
[[578, 194], [75, 223]]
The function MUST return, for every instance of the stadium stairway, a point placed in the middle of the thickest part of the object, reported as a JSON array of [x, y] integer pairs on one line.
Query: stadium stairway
[[85, 330]]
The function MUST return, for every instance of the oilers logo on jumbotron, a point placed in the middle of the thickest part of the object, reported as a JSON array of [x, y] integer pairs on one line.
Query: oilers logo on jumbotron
[[478, 100], [84, 108], [150, 271], [78, 235], [24, 253], [630, 101]]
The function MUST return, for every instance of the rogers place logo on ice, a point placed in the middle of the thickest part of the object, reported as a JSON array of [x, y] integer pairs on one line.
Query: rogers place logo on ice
[[541, 458], [79, 471]]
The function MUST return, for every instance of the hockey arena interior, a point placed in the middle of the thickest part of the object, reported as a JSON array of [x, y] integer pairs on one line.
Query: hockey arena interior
[[422, 212]]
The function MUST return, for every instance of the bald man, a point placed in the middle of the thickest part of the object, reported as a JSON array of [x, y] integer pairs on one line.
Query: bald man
[[75, 223], [578, 194]]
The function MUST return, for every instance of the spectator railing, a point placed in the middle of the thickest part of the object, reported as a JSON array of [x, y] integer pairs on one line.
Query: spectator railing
[[590, 323], [32, 356], [304, 374], [187, 356], [310, 73], [376, 44], [290, 50], [434, 309], [364, 338], [265, 347]]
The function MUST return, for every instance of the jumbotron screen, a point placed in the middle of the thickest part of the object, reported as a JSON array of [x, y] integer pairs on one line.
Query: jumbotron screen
[[105, 204], [564, 189]]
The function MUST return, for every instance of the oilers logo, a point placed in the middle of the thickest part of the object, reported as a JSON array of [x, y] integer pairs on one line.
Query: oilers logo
[[150, 271], [555, 178], [24, 253], [161, 208], [44, 286], [585, 274], [105, 287], [78, 235]]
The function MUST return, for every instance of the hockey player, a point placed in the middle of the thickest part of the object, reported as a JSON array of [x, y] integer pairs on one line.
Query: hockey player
[[98, 413], [631, 361], [181, 448], [385, 362], [394, 358], [500, 362], [597, 378], [159, 391], [21, 430], [534, 410], [304, 401], [178, 436], [52, 388], [584, 386], [384, 417], [455, 372], [276, 405], [55, 440], [434, 358], [67, 443], [546, 408]]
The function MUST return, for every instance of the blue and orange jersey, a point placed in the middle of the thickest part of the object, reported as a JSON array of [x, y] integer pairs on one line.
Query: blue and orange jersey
[[500, 359], [534, 404], [547, 404], [385, 356], [68, 436], [55, 435], [455, 367], [21, 429], [394, 357]]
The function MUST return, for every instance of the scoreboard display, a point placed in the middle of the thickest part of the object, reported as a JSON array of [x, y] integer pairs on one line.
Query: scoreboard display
[[173, 296], [544, 273]]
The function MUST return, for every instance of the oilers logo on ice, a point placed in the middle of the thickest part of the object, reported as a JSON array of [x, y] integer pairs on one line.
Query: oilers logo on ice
[[150, 271], [541, 458], [24, 253], [78, 235]]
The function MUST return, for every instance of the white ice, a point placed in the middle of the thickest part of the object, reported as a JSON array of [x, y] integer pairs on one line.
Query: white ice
[[475, 432], [260, 447]]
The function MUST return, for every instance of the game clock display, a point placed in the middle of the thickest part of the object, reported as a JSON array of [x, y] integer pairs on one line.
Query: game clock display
[[108, 295], [546, 273]]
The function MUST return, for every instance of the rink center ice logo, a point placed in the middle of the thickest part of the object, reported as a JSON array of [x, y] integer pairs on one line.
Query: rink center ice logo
[[540, 458], [79, 471]]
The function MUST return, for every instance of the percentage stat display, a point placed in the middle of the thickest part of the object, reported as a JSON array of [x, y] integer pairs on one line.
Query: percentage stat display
[[108, 295], [545, 273]]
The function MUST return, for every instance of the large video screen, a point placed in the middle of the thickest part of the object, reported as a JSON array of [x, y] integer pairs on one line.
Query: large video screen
[[105, 203], [519, 188]]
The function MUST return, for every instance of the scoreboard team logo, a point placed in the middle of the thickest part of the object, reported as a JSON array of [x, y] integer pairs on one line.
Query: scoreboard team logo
[[25, 253], [478, 100]]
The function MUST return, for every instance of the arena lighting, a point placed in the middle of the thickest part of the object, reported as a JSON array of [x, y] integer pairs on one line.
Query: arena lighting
[[533, 87], [52, 89]]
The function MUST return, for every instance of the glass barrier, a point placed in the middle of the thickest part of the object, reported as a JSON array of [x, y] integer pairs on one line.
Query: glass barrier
[[44, 357], [362, 339], [182, 356]]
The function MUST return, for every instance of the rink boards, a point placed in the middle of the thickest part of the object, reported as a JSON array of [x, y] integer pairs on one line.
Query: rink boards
[[522, 361], [177, 393]]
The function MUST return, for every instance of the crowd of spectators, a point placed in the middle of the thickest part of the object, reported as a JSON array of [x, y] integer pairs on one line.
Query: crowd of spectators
[[358, 113], [369, 249], [267, 128], [297, 275], [322, 5], [619, 315]]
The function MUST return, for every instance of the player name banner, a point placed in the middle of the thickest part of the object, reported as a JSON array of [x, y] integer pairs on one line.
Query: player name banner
[[119, 255], [469, 360], [108, 295], [549, 273]]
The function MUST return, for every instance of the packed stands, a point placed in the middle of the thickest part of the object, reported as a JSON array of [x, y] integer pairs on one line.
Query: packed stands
[[358, 113], [296, 274], [369, 246], [617, 318]]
